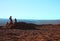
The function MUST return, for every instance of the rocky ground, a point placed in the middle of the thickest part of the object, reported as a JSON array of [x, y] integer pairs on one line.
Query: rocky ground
[[44, 34]]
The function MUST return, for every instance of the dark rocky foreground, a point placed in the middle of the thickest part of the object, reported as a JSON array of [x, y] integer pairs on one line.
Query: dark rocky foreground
[[44, 34]]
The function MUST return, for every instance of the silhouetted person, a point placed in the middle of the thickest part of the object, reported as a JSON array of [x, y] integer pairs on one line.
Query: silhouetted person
[[10, 19], [19, 25], [11, 22]]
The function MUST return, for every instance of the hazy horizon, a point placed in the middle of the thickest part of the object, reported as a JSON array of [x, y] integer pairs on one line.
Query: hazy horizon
[[38, 22], [29, 19]]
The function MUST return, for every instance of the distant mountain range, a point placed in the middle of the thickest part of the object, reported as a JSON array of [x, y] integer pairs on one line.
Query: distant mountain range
[[38, 22]]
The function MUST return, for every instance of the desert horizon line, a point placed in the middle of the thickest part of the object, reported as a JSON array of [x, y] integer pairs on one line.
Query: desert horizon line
[[30, 19]]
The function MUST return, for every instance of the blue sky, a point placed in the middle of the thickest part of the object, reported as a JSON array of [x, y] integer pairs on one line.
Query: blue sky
[[30, 9]]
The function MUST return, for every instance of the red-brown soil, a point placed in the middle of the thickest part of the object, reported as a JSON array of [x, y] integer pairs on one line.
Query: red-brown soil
[[46, 33]]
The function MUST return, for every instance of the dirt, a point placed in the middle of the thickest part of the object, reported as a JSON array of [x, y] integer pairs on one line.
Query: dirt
[[44, 34]]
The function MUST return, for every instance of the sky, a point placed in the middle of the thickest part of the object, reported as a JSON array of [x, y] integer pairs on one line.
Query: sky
[[30, 9]]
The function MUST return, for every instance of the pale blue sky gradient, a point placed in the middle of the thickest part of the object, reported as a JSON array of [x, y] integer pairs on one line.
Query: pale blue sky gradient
[[30, 9]]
